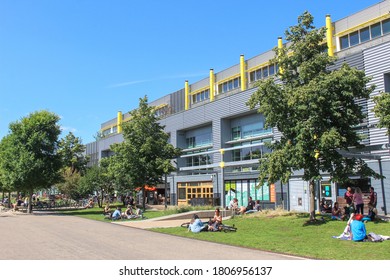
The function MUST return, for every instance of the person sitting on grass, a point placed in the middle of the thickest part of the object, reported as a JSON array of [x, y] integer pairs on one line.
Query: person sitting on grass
[[358, 229], [90, 204], [107, 210], [336, 212], [216, 221], [117, 214], [372, 213], [196, 225]]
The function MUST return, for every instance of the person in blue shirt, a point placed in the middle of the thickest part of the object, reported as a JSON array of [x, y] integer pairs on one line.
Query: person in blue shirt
[[358, 228], [196, 224], [117, 214]]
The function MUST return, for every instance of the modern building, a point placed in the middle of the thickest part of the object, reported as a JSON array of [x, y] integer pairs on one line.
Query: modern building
[[222, 139]]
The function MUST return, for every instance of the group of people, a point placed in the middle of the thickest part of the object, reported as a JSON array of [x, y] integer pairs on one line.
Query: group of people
[[355, 205], [196, 224], [253, 206], [117, 214]]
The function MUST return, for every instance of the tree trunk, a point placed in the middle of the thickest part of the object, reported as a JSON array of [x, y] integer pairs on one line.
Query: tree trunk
[[100, 201], [312, 200], [9, 199], [29, 208], [143, 198]]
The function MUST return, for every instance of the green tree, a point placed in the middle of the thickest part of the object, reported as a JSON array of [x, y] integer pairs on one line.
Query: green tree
[[313, 108], [145, 154], [97, 179], [72, 152], [382, 110], [30, 160]]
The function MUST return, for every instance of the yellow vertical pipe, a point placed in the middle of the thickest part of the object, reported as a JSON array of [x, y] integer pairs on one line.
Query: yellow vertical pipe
[[119, 121], [212, 82], [280, 46], [329, 35], [186, 95], [242, 72]]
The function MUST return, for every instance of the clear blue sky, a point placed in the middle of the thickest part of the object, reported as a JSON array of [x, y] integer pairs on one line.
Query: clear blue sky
[[87, 59]]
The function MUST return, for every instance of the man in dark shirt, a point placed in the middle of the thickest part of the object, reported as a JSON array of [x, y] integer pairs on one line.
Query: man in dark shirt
[[373, 197], [251, 204]]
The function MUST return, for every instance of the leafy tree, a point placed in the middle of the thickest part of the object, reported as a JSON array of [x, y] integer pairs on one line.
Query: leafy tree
[[145, 154], [313, 108], [97, 179], [382, 110], [72, 152], [30, 160]]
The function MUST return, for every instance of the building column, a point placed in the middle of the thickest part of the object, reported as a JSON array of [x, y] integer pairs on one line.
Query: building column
[[243, 72], [280, 47], [119, 121], [329, 35], [212, 82], [186, 96]]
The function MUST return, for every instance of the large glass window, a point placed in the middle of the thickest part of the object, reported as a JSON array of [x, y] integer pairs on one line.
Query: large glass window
[[386, 26], [364, 34], [354, 38], [344, 42], [376, 30]]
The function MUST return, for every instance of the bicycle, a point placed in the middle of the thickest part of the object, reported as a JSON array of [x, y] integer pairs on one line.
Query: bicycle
[[221, 227]]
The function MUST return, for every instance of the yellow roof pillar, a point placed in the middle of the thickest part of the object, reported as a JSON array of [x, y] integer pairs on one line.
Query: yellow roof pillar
[[280, 46], [186, 96], [119, 121], [329, 35], [242, 72], [212, 82]]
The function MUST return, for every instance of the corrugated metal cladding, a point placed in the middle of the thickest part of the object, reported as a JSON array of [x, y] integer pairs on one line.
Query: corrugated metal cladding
[[377, 64], [105, 143], [177, 101]]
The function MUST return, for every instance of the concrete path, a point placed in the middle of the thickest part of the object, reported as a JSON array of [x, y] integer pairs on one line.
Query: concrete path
[[53, 237]]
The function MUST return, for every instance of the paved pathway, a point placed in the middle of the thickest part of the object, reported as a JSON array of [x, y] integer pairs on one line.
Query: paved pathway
[[53, 237]]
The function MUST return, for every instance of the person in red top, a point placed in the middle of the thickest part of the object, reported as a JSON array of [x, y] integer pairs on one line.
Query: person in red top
[[373, 197], [348, 200]]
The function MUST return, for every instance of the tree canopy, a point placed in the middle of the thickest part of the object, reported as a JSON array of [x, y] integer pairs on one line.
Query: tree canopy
[[382, 110], [28, 157], [145, 154], [314, 108]]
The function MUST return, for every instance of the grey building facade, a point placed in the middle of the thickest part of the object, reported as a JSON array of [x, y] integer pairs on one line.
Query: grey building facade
[[222, 139]]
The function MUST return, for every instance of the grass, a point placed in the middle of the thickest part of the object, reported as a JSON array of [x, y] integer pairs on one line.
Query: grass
[[278, 231], [290, 233], [96, 212]]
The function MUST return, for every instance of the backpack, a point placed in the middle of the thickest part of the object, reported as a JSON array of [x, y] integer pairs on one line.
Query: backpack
[[375, 237]]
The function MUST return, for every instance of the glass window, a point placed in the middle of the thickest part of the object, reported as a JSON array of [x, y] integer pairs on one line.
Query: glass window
[[344, 42], [225, 87], [252, 76], [386, 26], [272, 69], [230, 84], [364, 34], [258, 74], [236, 82], [207, 94], [376, 30], [265, 72], [236, 133], [354, 38]]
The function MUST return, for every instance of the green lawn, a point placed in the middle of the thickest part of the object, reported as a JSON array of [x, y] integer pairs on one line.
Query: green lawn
[[281, 232], [291, 234]]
